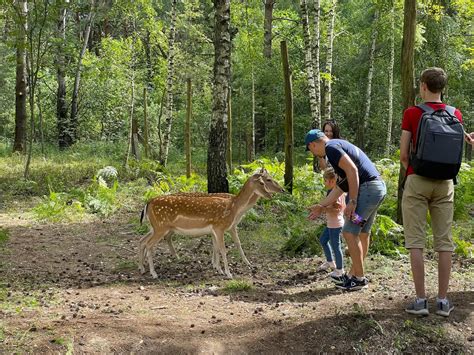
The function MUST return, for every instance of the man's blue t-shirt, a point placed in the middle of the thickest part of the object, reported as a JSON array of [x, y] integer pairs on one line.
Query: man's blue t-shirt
[[336, 148]]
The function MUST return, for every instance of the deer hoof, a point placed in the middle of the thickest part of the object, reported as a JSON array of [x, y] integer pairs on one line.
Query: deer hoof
[[154, 274]]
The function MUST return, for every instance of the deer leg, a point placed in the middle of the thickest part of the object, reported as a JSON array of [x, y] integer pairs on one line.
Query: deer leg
[[235, 238], [215, 256], [219, 235], [149, 245], [142, 251], [169, 240]]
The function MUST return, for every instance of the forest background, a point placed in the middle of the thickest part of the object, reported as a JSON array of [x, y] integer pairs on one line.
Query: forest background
[[107, 104]]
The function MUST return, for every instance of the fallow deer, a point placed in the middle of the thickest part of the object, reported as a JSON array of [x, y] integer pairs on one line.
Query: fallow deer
[[199, 214], [270, 184]]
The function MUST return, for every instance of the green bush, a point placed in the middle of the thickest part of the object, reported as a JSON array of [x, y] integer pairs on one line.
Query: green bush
[[58, 207], [387, 237]]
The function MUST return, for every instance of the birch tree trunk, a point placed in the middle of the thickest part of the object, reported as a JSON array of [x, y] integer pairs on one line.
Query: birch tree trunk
[[315, 59], [364, 125], [145, 122], [187, 131], [390, 80], [216, 158], [328, 79], [229, 129], [252, 132], [75, 93], [64, 134], [408, 87], [289, 136], [21, 86], [309, 64], [169, 88]]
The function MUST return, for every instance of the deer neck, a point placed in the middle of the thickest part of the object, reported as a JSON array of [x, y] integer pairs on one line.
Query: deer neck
[[245, 200]]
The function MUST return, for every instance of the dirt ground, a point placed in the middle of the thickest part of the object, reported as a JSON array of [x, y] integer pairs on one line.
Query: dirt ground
[[75, 288]]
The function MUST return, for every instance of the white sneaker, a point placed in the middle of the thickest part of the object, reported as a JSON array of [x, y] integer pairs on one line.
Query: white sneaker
[[326, 265], [337, 273]]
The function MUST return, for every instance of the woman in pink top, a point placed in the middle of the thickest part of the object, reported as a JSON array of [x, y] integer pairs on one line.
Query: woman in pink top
[[331, 238]]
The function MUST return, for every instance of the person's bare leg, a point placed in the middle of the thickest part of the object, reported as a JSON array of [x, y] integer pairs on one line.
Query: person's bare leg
[[355, 250], [444, 272], [365, 241], [418, 271]]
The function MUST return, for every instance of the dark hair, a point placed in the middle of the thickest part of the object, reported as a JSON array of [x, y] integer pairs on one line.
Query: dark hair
[[335, 129], [434, 78]]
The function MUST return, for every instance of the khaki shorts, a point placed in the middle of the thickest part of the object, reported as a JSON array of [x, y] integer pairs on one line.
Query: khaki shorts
[[420, 196]]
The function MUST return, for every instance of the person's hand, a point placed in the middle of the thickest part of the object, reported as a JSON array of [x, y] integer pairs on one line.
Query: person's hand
[[350, 209], [315, 211], [469, 138]]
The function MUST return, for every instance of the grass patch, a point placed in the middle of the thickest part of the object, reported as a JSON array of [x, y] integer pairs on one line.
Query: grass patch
[[126, 265], [3, 237], [237, 286]]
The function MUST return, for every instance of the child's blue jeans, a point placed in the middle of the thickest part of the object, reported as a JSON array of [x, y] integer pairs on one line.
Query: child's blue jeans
[[331, 243]]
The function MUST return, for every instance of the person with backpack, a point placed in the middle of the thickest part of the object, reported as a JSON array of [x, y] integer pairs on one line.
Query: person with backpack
[[431, 152]]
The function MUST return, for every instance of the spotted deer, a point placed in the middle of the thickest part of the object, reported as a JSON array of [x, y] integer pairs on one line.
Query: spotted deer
[[198, 214]]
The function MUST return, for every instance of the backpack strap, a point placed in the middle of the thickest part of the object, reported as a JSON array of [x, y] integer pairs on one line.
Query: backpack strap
[[425, 108], [450, 110]]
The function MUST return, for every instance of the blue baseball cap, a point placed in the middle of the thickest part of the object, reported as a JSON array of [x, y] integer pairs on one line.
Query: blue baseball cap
[[312, 136]]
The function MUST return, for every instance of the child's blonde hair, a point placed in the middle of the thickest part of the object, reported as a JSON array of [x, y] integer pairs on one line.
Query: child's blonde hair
[[329, 174]]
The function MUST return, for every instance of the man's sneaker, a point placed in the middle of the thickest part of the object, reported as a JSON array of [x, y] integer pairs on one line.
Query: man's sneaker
[[352, 284], [326, 266], [337, 278], [419, 307], [444, 308]]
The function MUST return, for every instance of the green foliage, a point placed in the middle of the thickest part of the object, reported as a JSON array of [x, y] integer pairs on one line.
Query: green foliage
[[302, 242], [58, 207], [464, 193], [463, 237], [3, 236], [387, 237], [101, 198], [237, 286]]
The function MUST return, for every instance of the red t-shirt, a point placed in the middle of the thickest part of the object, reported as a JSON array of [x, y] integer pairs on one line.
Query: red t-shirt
[[411, 119]]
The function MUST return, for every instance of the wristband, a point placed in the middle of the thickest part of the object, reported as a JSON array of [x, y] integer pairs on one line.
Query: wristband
[[353, 201]]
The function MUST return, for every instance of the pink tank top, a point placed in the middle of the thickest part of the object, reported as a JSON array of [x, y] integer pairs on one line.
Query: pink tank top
[[336, 219]]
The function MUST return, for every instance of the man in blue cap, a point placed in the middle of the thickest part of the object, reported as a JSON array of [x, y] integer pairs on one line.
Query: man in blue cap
[[359, 177]]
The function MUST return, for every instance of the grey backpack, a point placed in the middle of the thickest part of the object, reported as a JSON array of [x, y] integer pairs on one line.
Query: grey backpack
[[439, 143]]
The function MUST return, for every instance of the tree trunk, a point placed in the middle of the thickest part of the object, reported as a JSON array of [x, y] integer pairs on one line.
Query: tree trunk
[[64, 133], [187, 131], [145, 121], [288, 119], [252, 132], [75, 93], [407, 71], [391, 66], [169, 87], [315, 59], [328, 80], [364, 125], [21, 87], [148, 60], [314, 105], [216, 159], [267, 25], [229, 130]]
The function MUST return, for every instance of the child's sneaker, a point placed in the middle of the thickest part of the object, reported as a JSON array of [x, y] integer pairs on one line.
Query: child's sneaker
[[444, 307], [419, 307], [338, 276], [353, 284], [326, 266]]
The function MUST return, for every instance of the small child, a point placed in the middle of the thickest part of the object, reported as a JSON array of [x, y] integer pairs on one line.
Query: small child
[[331, 237]]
